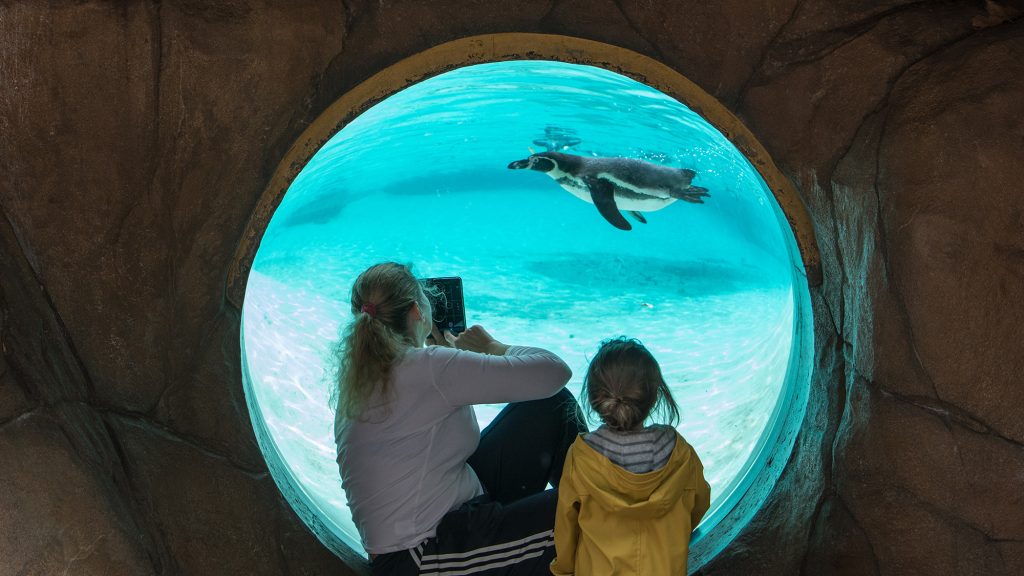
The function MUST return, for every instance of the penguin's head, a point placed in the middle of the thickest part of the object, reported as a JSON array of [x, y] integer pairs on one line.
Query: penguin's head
[[540, 162]]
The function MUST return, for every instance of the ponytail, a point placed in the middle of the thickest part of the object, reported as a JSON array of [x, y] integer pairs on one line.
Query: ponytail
[[375, 339], [618, 413]]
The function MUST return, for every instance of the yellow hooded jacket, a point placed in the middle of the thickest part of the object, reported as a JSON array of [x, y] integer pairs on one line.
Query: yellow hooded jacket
[[611, 521]]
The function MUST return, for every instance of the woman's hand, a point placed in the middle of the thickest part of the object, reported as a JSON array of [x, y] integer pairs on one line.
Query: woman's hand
[[435, 338], [476, 339]]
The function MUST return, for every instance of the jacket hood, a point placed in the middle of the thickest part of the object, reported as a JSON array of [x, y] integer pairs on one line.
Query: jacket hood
[[648, 495]]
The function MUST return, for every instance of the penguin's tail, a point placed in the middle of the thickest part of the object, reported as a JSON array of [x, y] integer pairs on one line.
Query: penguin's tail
[[692, 194]]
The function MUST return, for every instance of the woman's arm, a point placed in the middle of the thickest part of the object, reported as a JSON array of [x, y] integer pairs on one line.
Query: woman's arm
[[520, 373]]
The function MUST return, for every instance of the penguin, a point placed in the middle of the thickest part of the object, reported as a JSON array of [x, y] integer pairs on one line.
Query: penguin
[[615, 183]]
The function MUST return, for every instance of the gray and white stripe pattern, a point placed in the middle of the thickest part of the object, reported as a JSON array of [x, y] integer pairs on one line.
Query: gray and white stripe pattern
[[639, 451], [481, 560]]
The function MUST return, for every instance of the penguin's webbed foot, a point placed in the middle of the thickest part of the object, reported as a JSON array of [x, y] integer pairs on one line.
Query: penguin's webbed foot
[[693, 194]]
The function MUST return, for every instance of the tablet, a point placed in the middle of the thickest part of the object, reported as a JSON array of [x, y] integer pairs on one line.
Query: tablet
[[446, 300]]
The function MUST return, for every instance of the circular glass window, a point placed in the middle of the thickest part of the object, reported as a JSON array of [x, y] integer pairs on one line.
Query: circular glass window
[[706, 277]]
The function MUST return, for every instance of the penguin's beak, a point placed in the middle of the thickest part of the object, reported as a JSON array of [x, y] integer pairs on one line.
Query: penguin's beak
[[519, 164]]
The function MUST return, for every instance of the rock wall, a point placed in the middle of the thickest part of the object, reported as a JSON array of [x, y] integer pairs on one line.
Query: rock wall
[[135, 139]]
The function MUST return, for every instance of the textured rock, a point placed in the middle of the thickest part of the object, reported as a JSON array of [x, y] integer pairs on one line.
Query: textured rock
[[12, 400], [1011, 557], [919, 483], [136, 138], [950, 185], [111, 265], [717, 44], [374, 38], [75, 105], [212, 406], [206, 516], [819, 83], [873, 316], [839, 547], [37, 361], [57, 514]]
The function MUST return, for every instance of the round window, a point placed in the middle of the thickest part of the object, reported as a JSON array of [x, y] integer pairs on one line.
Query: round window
[[706, 276]]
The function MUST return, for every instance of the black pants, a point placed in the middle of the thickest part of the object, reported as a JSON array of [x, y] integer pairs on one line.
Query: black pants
[[509, 530]]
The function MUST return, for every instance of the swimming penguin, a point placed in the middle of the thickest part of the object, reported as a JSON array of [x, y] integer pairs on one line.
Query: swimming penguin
[[614, 184]]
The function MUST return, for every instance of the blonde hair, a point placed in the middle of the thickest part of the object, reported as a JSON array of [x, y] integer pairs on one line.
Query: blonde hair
[[376, 337], [624, 385]]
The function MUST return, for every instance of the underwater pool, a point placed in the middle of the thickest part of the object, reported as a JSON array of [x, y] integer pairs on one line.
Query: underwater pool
[[422, 178]]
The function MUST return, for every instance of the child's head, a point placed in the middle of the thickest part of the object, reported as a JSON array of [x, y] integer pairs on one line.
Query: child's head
[[624, 385]]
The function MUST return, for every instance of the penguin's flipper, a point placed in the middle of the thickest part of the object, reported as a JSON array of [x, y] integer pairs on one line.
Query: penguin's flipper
[[693, 194], [602, 192], [639, 217]]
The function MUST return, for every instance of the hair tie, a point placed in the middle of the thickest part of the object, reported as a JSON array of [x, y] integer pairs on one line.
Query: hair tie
[[370, 309]]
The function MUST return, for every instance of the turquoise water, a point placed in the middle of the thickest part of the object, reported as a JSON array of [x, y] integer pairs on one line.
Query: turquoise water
[[421, 178]]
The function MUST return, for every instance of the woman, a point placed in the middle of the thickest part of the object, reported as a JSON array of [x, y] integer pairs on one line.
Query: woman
[[429, 493]]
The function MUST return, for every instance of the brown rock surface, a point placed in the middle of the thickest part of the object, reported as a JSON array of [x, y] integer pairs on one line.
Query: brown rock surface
[[935, 483], [59, 514], [83, 94], [135, 140], [821, 80], [840, 546], [718, 44], [954, 216], [205, 516]]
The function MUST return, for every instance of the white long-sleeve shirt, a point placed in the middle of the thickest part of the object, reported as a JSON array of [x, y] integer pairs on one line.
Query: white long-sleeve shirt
[[403, 464]]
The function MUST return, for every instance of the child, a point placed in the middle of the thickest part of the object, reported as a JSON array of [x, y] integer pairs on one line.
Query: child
[[630, 495]]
